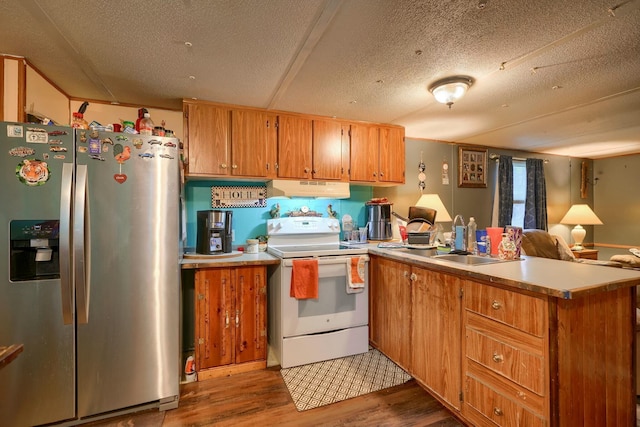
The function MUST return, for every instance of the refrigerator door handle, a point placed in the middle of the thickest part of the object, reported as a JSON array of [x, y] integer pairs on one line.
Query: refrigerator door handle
[[81, 244], [66, 272]]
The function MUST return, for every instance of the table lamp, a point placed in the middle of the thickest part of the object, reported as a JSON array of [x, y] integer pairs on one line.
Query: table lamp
[[433, 201], [578, 215]]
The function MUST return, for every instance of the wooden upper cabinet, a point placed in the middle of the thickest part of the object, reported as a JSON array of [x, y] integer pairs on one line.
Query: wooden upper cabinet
[[249, 143], [327, 150], [233, 141], [208, 139], [392, 161], [364, 153], [294, 147]]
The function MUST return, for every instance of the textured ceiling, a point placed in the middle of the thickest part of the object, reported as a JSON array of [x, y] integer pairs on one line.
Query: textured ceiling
[[569, 83]]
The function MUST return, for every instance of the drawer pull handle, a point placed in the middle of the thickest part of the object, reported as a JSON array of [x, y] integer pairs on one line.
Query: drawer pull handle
[[498, 412], [406, 274], [413, 277], [497, 357], [496, 305]]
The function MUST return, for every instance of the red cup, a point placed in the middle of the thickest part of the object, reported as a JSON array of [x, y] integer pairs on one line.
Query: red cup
[[495, 233], [403, 233], [117, 127]]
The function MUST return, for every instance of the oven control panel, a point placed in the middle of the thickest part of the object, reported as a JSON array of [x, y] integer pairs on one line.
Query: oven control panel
[[302, 225]]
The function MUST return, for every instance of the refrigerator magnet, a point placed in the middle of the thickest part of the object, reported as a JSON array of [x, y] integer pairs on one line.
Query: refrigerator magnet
[[21, 152], [121, 154], [95, 146], [32, 172]]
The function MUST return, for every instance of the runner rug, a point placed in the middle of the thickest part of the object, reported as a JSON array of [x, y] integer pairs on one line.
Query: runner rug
[[322, 383]]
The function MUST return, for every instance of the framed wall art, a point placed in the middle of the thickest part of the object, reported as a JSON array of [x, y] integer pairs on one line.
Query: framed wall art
[[472, 167]]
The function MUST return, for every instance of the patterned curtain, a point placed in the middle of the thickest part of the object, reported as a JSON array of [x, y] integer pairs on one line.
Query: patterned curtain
[[505, 190], [535, 205]]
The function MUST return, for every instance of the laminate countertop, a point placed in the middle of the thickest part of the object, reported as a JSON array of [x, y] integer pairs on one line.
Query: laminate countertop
[[561, 279], [233, 259]]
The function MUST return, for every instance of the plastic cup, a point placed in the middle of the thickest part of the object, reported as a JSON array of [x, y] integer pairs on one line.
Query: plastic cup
[[481, 240], [403, 233], [363, 234], [495, 233]]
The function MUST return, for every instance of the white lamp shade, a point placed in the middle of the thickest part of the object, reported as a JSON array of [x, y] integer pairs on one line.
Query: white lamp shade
[[433, 201], [580, 214]]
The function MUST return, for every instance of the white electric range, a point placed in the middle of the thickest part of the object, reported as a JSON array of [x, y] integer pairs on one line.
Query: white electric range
[[334, 325]]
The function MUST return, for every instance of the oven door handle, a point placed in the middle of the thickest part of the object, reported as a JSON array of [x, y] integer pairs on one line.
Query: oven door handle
[[325, 260]]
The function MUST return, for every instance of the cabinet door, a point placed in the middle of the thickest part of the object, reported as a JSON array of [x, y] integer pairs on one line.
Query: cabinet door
[[327, 149], [248, 143], [250, 314], [214, 309], [392, 163], [364, 153], [294, 147], [208, 140], [391, 310], [437, 333]]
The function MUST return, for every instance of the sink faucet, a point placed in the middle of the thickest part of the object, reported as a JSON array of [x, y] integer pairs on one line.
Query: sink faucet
[[454, 234]]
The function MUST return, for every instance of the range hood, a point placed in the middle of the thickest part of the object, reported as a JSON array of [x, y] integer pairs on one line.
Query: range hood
[[323, 189]]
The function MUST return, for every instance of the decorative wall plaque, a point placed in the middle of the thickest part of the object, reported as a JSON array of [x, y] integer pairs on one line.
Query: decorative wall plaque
[[239, 197]]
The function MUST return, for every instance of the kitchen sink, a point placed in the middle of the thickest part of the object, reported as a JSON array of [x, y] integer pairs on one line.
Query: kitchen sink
[[467, 259], [428, 253]]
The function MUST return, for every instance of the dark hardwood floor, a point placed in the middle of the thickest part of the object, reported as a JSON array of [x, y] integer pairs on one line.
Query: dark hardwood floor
[[260, 398]]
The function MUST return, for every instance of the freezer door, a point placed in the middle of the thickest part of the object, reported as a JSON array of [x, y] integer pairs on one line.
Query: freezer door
[[38, 387], [128, 350]]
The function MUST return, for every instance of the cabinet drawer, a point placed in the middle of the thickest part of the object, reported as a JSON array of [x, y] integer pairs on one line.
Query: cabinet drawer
[[498, 408], [521, 311], [512, 362]]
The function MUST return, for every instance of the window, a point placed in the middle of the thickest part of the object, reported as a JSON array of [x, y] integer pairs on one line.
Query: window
[[519, 192]]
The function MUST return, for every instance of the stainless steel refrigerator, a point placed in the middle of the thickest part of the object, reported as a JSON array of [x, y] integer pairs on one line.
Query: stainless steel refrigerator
[[89, 274]]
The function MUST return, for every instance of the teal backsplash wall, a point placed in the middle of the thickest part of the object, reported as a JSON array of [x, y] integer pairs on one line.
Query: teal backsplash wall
[[252, 222]]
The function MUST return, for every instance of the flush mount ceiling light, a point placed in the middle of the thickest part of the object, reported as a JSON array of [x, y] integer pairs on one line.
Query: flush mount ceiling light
[[449, 90]]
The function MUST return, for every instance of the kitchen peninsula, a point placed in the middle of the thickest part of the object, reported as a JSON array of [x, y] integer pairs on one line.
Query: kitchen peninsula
[[533, 342]]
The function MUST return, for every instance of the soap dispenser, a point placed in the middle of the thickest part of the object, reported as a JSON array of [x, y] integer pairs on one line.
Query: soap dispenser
[[471, 236]]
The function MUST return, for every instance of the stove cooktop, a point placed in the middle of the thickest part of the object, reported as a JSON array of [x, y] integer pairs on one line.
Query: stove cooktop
[[300, 251]]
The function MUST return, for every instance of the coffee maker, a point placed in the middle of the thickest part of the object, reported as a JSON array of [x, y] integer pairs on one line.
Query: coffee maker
[[379, 221], [214, 232]]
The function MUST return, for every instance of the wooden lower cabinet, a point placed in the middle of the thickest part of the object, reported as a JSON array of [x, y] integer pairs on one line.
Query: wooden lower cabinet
[[436, 318], [414, 313], [502, 356], [230, 332], [506, 346], [390, 310]]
